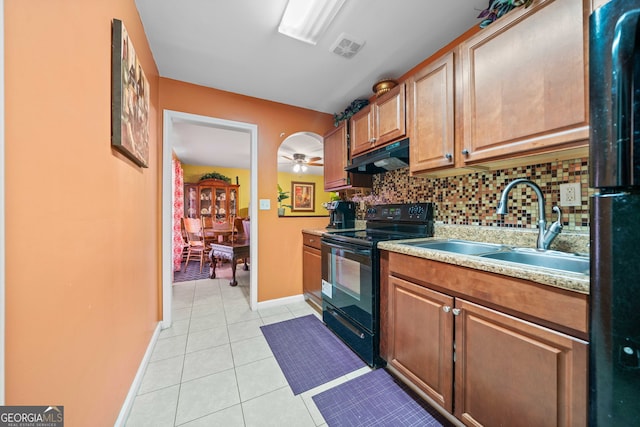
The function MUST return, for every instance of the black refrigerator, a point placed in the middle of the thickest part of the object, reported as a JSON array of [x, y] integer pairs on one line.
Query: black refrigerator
[[614, 156]]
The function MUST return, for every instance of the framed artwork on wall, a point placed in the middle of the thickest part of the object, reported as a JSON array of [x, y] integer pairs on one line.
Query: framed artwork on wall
[[304, 196], [129, 99]]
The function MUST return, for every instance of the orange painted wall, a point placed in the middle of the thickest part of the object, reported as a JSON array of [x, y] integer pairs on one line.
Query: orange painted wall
[[279, 275], [82, 222]]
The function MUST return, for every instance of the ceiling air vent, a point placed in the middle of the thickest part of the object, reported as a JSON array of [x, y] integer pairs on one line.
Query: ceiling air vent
[[346, 45]]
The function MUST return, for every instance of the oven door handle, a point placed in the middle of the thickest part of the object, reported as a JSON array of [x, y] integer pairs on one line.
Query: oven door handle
[[350, 248], [346, 324]]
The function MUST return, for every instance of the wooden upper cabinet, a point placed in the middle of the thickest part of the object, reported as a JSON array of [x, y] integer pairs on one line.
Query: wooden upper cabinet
[[509, 372], [336, 158], [524, 82], [380, 123], [361, 130], [431, 115], [390, 119]]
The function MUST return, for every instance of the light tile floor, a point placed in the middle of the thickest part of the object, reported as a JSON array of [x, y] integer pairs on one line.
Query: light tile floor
[[213, 367]]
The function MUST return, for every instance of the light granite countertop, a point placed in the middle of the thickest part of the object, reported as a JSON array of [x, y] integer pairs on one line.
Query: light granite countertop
[[359, 225], [315, 232], [574, 243], [565, 242]]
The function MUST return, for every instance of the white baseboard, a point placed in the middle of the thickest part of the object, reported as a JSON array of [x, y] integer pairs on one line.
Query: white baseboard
[[137, 380], [280, 301]]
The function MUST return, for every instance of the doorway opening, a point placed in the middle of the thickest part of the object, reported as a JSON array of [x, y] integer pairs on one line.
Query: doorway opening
[[169, 119]]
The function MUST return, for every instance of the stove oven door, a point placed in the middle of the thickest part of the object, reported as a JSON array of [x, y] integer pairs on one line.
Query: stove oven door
[[347, 282]]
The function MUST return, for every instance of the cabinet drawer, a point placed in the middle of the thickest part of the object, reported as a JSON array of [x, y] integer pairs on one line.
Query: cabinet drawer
[[311, 240]]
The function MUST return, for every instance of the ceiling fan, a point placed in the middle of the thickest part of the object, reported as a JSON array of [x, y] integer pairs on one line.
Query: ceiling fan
[[300, 161]]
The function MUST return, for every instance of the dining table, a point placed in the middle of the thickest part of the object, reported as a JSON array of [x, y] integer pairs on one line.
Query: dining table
[[214, 235], [231, 251]]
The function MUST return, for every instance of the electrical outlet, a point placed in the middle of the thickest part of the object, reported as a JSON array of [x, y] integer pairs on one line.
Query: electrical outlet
[[570, 194]]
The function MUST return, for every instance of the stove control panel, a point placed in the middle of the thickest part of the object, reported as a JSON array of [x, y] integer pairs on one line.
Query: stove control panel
[[411, 212]]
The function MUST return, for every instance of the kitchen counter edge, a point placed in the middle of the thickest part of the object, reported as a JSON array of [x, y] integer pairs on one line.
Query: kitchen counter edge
[[570, 281]]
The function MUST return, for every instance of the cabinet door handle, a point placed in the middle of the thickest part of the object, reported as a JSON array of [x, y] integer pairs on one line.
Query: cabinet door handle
[[448, 156], [372, 140], [312, 240], [446, 308], [465, 152], [456, 311]]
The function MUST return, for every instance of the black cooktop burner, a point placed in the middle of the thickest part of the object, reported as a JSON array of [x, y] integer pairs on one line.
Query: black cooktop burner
[[375, 235], [390, 222]]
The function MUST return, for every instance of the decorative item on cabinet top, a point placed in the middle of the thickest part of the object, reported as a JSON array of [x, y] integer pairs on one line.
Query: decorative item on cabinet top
[[353, 108], [384, 86], [215, 175], [497, 8]]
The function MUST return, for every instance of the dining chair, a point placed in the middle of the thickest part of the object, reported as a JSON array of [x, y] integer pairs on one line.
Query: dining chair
[[207, 222], [185, 245], [238, 227], [195, 241], [246, 226]]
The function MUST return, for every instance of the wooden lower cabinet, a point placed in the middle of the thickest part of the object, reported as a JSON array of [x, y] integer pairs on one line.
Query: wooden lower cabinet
[[509, 372], [484, 366], [421, 336], [312, 268]]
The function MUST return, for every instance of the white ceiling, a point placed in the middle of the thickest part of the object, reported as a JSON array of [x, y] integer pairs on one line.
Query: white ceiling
[[235, 46]]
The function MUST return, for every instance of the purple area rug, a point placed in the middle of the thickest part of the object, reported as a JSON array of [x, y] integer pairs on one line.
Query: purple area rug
[[376, 399], [308, 353]]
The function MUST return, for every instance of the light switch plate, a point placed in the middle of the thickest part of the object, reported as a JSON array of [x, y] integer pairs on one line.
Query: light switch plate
[[570, 194], [265, 204]]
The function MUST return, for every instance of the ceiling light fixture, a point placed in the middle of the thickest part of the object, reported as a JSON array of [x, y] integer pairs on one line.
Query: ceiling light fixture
[[299, 167], [307, 20]]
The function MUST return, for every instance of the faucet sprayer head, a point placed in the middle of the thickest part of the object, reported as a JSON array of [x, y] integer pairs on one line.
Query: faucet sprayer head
[[502, 207]]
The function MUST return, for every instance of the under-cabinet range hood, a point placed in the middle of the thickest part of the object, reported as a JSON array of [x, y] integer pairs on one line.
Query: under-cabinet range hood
[[390, 157]]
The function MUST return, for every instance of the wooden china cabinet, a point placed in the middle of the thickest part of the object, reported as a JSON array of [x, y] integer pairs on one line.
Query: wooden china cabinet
[[211, 198]]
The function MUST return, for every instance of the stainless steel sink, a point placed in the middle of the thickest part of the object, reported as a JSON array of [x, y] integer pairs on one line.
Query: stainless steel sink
[[551, 259], [463, 247], [527, 256]]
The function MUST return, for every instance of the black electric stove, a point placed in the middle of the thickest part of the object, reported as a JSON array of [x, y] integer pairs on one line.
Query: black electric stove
[[389, 222], [351, 273]]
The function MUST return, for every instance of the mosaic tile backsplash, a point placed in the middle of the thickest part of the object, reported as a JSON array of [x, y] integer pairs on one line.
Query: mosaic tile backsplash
[[472, 199]]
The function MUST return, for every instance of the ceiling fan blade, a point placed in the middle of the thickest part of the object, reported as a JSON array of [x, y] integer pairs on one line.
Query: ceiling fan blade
[[288, 158], [313, 159], [315, 164]]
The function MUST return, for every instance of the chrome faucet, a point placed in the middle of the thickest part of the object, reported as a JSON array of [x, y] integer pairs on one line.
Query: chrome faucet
[[545, 237]]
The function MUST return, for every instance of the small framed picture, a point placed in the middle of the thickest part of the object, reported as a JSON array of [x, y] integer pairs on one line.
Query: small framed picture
[[304, 196]]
